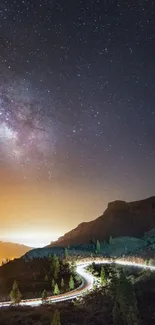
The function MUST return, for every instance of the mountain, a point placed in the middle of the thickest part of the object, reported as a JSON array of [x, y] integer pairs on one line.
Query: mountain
[[11, 250], [119, 219]]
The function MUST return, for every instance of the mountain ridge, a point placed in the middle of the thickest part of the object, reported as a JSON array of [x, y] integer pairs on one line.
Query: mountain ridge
[[121, 218], [9, 250]]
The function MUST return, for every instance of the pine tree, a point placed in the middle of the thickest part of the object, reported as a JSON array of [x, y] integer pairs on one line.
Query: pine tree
[[66, 253], [56, 290], [55, 266], [62, 285], [127, 301], [50, 257], [98, 246], [44, 296], [73, 267], [55, 274], [53, 285], [102, 276], [15, 294], [56, 318], [71, 283]]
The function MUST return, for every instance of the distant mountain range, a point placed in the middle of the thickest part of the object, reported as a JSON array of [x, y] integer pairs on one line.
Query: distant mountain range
[[119, 219], [131, 226], [11, 250]]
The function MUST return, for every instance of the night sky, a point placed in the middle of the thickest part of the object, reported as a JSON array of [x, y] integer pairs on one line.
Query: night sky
[[77, 112]]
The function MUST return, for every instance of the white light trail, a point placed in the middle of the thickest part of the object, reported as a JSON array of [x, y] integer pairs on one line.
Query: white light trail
[[87, 282]]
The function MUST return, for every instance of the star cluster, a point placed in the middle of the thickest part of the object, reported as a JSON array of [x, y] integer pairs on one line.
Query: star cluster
[[77, 91]]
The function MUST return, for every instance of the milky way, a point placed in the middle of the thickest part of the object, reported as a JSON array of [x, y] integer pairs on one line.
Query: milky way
[[77, 92], [26, 137]]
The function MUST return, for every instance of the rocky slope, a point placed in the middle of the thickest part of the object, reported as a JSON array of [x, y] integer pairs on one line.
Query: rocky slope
[[11, 250], [119, 219]]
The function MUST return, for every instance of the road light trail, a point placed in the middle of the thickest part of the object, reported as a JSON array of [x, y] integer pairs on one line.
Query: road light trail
[[87, 283]]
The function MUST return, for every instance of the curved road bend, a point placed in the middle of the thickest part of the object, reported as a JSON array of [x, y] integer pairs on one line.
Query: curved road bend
[[87, 283]]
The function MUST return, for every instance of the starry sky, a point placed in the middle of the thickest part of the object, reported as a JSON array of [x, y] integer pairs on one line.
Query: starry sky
[[77, 112]]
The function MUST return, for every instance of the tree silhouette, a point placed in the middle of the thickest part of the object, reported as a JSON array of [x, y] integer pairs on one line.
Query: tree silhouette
[[127, 300], [102, 276], [53, 285], [66, 253], [125, 309], [73, 267], [98, 246], [15, 294], [71, 283], [44, 296], [56, 290], [55, 266], [62, 285]]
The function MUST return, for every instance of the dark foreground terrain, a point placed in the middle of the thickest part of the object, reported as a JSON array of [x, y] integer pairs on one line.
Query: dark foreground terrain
[[34, 276], [128, 300], [95, 309]]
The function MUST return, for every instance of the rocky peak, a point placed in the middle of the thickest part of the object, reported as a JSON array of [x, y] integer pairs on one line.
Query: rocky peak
[[118, 205]]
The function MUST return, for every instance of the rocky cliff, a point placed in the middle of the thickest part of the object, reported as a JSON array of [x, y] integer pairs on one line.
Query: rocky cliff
[[119, 219]]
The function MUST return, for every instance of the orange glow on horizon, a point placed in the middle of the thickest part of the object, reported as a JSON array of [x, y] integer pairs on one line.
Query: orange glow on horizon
[[31, 239], [36, 214]]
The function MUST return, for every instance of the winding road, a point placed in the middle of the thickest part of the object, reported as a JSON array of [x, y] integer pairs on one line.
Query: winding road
[[87, 283]]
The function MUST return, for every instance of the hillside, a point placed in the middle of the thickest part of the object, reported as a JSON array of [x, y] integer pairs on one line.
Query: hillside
[[118, 247], [33, 276], [119, 219], [11, 250]]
